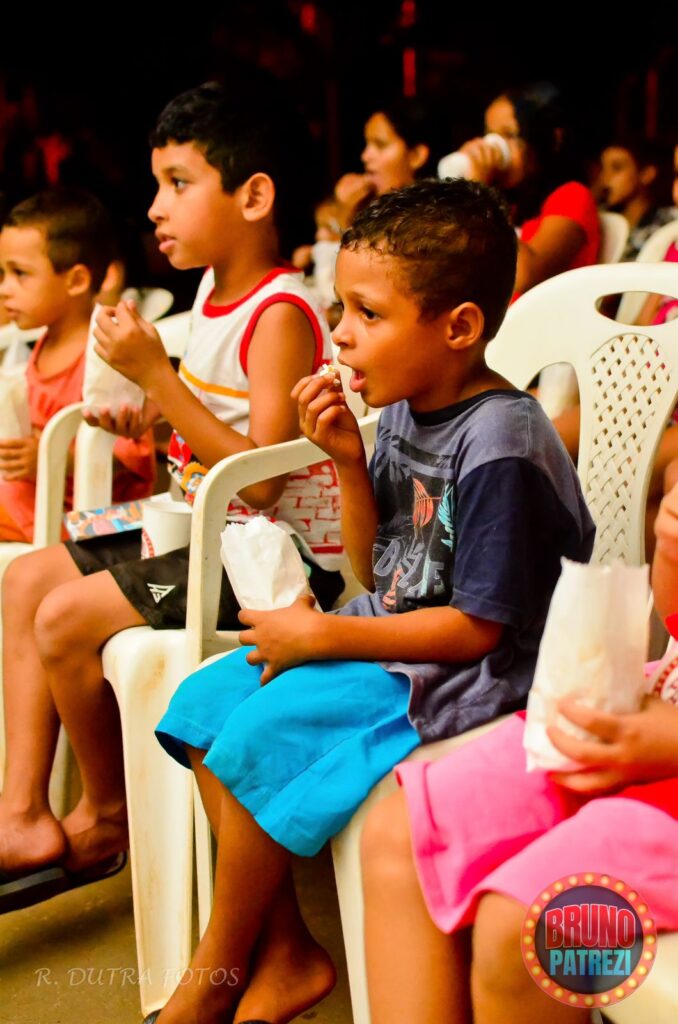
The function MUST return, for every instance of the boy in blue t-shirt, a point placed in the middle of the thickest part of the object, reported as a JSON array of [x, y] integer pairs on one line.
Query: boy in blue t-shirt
[[456, 529]]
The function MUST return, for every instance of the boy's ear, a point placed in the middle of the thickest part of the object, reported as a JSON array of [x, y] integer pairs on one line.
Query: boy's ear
[[465, 326], [257, 196], [419, 154], [648, 174], [78, 279]]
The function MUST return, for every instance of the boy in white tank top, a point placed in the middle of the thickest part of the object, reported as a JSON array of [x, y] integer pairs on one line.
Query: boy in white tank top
[[222, 171]]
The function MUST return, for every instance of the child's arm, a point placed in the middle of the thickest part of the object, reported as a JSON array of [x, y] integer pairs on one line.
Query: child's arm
[[281, 350], [294, 635], [630, 748], [549, 251], [325, 419], [665, 563], [19, 458]]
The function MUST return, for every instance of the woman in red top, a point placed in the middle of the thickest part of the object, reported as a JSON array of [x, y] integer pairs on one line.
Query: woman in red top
[[556, 216]]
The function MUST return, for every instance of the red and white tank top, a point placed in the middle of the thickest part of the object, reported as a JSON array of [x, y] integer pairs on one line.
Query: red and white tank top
[[214, 367]]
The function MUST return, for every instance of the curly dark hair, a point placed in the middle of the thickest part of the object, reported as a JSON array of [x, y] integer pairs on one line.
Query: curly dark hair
[[453, 241], [77, 226]]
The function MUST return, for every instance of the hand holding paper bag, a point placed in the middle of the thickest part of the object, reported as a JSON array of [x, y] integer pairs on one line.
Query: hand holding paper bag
[[593, 649], [270, 583]]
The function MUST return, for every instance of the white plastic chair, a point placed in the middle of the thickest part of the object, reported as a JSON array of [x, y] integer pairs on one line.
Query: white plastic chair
[[144, 667], [92, 488], [628, 382], [557, 383], [152, 303], [614, 233], [653, 251]]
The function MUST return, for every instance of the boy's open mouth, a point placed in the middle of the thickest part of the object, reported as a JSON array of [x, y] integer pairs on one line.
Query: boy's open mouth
[[357, 380]]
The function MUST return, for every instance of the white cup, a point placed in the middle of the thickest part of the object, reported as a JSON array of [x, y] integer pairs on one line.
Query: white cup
[[165, 526], [458, 164]]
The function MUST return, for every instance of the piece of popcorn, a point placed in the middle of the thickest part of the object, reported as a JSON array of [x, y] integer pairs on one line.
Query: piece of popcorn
[[328, 370]]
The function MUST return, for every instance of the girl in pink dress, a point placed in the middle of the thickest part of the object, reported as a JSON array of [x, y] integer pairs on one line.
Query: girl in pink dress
[[453, 860]]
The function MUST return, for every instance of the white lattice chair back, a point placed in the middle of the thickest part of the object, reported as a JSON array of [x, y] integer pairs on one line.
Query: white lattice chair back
[[628, 381]]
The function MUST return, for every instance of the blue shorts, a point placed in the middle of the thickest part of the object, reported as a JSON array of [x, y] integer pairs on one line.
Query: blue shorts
[[301, 753]]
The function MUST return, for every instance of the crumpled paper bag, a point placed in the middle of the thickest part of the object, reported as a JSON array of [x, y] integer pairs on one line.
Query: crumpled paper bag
[[593, 648], [263, 564], [103, 387], [15, 418]]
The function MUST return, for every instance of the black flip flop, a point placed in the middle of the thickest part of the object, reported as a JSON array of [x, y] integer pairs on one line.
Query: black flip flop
[[52, 880]]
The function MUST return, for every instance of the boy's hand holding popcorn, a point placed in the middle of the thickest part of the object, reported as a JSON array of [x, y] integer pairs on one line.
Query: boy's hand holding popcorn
[[325, 419], [130, 344]]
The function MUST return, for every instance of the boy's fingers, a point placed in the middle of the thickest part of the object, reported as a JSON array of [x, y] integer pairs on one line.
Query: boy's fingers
[[248, 616], [254, 657], [299, 386], [105, 319], [12, 444]]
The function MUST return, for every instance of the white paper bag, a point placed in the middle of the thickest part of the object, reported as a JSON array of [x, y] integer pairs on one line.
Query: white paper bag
[[15, 419], [594, 648], [103, 387], [263, 564]]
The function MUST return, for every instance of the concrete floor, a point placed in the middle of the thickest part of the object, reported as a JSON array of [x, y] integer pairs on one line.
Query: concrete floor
[[72, 959]]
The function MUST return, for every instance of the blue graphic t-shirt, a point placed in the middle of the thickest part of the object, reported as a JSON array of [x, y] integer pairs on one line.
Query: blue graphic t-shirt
[[477, 503]]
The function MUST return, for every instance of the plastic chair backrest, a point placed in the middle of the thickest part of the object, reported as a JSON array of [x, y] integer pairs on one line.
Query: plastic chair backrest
[[614, 233], [222, 483], [628, 381], [653, 251], [152, 303]]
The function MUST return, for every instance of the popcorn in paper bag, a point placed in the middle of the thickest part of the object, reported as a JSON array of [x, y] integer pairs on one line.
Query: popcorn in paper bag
[[15, 418], [594, 648], [103, 387], [263, 564]]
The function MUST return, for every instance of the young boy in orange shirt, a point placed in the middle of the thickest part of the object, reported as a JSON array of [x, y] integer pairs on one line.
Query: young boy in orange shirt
[[55, 249]]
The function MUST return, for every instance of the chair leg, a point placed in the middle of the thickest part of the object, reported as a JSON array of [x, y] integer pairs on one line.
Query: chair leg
[[144, 670]]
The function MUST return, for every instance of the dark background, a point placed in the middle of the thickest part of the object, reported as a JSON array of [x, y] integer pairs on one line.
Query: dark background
[[98, 78]]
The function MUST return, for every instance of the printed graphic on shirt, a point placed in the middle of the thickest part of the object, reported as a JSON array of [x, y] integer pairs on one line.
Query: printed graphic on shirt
[[414, 559]]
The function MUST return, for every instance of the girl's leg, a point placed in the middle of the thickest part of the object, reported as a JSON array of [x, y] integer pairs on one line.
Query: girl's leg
[[30, 835], [503, 992], [71, 626], [290, 971], [415, 972]]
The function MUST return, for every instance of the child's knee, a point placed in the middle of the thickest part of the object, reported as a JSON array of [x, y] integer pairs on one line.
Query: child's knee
[[385, 843], [497, 955], [58, 626], [23, 583]]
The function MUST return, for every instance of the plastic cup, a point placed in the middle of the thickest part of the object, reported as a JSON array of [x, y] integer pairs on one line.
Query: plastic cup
[[165, 526]]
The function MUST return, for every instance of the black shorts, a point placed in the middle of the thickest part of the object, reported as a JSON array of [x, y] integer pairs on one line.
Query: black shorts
[[157, 587]]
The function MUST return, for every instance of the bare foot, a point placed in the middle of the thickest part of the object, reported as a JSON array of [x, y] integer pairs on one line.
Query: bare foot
[[93, 835], [286, 980], [29, 840]]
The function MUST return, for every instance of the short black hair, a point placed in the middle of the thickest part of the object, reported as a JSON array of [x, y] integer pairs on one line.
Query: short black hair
[[77, 226], [240, 134], [454, 243]]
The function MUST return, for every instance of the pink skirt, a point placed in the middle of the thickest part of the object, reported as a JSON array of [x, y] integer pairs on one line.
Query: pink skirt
[[480, 823]]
